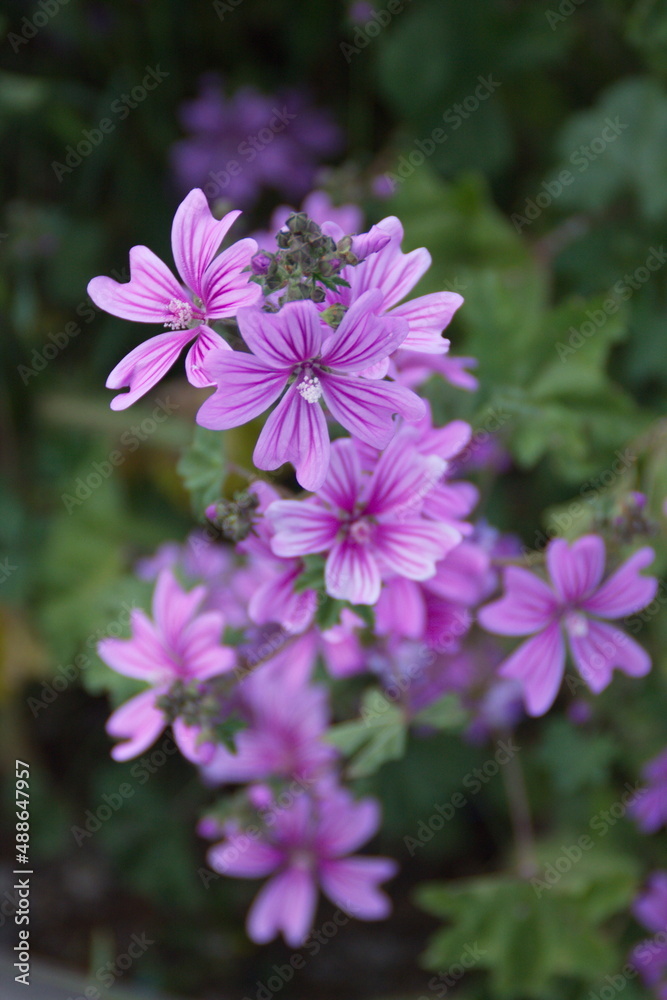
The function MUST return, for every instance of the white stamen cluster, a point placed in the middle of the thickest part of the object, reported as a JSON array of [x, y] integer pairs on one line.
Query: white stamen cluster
[[310, 388], [180, 314], [578, 624]]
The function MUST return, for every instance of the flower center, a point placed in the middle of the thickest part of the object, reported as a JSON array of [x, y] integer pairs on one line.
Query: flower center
[[360, 531], [577, 624], [179, 315], [310, 388], [302, 858]]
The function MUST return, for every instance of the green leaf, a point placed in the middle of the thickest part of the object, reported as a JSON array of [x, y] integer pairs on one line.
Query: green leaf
[[447, 713], [575, 760], [377, 737], [202, 468]]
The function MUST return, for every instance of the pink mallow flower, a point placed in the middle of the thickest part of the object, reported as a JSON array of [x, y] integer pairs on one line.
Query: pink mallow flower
[[294, 349], [305, 848], [572, 607], [649, 810], [650, 957], [370, 525], [181, 644], [215, 288]]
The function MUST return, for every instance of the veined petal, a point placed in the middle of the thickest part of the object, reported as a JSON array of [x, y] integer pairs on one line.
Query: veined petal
[[345, 824], [146, 296], [246, 386], [225, 284], [285, 338], [401, 480], [538, 664], [352, 573], [363, 338], [295, 432], [195, 361], [427, 317], [275, 600], [187, 739], [196, 237], [400, 609], [301, 527], [527, 605], [244, 857], [364, 408], [625, 592], [603, 647], [143, 656], [143, 367], [138, 723], [344, 481], [173, 607], [412, 548], [390, 270], [576, 569]]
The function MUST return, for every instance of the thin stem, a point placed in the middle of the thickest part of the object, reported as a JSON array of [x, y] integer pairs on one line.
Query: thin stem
[[519, 809]]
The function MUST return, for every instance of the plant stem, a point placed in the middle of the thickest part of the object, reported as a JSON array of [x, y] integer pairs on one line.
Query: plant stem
[[519, 809]]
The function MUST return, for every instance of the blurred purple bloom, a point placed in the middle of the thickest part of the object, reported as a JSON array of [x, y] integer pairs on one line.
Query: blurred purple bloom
[[181, 644], [239, 146], [650, 957], [413, 368], [649, 810], [216, 289], [306, 847], [572, 607], [294, 346]]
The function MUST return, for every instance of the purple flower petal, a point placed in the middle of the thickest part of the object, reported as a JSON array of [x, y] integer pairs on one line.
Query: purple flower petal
[[527, 605], [602, 648], [427, 316], [138, 722], [538, 664], [412, 548], [195, 362], [200, 647], [301, 527], [400, 609], [145, 298], [141, 657], [346, 824], [352, 573], [343, 484], [401, 480], [244, 856], [246, 387], [196, 237], [390, 270], [276, 601], [364, 408], [363, 338], [295, 432], [352, 885], [286, 338], [576, 569], [173, 607], [225, 285], [143, 367], [286, 903], [625, 592], [187, 739]]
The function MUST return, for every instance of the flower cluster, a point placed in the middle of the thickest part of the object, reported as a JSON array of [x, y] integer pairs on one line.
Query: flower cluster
[[381, 570]]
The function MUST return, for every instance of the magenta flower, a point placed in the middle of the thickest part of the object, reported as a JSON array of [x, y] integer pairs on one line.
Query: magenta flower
[[306, 848], [180, 645], [395, 274], [649, 809], [294, 348], [650, 957], [370, 525], [571, 606], [216, 288]]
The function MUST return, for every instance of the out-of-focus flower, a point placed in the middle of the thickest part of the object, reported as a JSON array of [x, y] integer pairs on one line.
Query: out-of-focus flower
[[239, 146], [649, 810], [572, 607], [650, 957], [304, 849]]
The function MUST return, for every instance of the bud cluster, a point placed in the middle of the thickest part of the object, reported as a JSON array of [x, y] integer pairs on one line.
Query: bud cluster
[[307, 261], [234, 518]]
